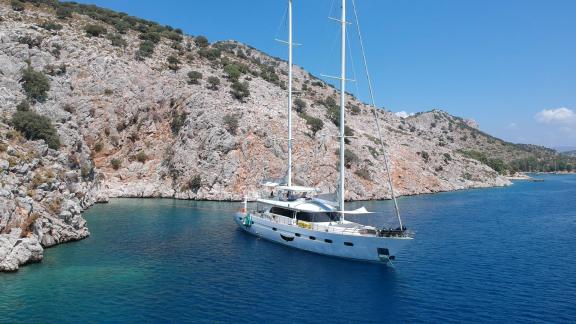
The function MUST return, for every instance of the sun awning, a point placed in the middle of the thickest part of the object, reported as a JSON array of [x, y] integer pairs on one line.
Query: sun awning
[[359, 211], [297, 188], [298, 205]]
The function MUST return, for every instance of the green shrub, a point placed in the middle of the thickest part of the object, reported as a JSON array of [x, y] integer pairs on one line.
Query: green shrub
[[17, 5], [98, 147], [201, 41], [35, 84], [86, 171], [231, 123], [63, 12], [332, 110], [210, 53], [233, 71], [194, 76], [31, 42], [116, 164], [23, 106], [425, 156], [348, 132], [364, 174], [55, 70], [174, 36], [117, 40], [355, 110], [195, 183], [36, 127], [300, 105], [93, 30], [49, 25], [146, 49], [213, 83], [240, 90], [269, 74], [173, 63], [178, 120], [150, 36], [349, 157], [141, 157], [315, 124]]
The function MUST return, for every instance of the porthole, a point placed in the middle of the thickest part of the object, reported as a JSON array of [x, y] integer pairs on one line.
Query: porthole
[[297, 234], [274, 229], [348, 243], [328, 241], [312, 238]]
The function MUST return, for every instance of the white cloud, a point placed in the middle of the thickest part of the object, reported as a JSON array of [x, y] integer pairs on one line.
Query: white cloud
[[559, 115], [403, 114]]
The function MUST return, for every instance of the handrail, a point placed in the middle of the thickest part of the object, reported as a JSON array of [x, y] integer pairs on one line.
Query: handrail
[[314, 226]]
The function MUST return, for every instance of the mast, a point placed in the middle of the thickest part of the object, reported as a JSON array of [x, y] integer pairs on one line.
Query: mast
[[290, 93], [342, 107]]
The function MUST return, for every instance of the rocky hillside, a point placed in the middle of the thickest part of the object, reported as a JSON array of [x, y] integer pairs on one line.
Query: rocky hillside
[[99, 104], [464, 137]]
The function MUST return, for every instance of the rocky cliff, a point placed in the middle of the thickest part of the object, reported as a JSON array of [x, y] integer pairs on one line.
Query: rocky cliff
[[142, 110]]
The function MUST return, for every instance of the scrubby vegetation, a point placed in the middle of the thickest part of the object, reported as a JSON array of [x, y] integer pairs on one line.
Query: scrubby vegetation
[[173, 63], [51, 26], [35, 84], [116, 163], [231, 123], [496, 164], [145, 50], [93, 30], [201, 41], [213, 83], [194, 77], [117, 40], [300, 105], [315, 124], [141, 157], [195, 183], [35, 127], [240, 90], [17, 5], [178, 120]]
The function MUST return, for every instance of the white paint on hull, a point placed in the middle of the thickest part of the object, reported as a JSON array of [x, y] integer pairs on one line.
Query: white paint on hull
[[357, 247]]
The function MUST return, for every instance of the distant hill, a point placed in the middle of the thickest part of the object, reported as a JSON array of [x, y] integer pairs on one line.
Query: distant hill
[[570, 153], [456, 133]]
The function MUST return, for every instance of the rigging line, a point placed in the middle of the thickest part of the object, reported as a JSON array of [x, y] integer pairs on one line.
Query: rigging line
[[353, 67], [334, 39], [371, 90], [282, 22]]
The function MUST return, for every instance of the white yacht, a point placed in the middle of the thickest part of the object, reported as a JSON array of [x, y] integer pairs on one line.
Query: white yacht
[[296, 216]]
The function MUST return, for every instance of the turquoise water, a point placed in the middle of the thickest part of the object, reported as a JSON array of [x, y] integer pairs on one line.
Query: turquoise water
[[492, 255]]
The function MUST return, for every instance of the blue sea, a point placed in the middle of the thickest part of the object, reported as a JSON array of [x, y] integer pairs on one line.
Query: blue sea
[[487, 255]]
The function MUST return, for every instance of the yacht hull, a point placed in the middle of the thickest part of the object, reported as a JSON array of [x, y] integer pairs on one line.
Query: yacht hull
[[355, 247]]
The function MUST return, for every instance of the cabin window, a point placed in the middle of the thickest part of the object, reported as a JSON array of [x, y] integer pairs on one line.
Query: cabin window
[[328, 240], [274, 229], [282, 211], [348, 243], [312, 238], [317, 217], [297, 234]]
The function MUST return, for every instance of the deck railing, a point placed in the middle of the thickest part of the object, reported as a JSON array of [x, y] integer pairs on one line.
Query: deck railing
[[352, 230]]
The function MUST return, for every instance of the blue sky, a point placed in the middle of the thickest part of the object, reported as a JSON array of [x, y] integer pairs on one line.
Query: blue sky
[[510, 65]]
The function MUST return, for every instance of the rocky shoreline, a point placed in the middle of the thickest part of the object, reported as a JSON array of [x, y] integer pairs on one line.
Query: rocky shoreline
[[186, 120]]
